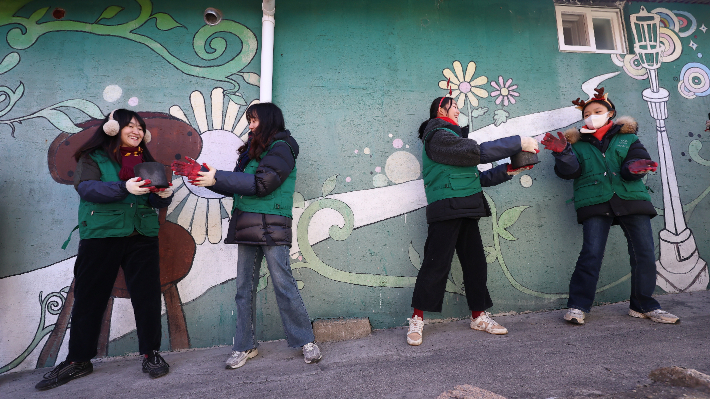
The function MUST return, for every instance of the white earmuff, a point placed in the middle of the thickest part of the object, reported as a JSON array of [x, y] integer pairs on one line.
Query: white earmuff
[[147, 136], [111, 127]]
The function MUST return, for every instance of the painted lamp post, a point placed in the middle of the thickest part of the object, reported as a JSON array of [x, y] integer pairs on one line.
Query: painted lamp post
[[679, 266]]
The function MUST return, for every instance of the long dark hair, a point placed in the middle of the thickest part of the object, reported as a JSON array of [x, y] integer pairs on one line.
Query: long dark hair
[[271, 121], [112, 144], [446, 104]]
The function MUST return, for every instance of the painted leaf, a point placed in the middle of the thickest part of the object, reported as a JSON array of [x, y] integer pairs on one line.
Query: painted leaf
[[298, 200], [84, 106], [9, 62], [236, 98], [491, 254], [59, 119], [510, 216], [329, 185], [476, 112], [109, 12], [13, 97], [164, 21], [251, 78], [505, 234], [38, 14], [414, 257], [500, 117], [300, 284]]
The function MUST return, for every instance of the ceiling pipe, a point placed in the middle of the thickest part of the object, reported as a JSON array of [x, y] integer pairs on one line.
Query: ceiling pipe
[[267, 51]]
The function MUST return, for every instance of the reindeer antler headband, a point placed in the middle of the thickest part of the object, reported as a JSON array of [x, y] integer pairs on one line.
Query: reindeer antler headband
[[448, 86], [600, 96]]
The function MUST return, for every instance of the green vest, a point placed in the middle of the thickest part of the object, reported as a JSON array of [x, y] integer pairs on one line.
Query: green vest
[[279, 202], [116, 219], [448, 181], [601, 177]]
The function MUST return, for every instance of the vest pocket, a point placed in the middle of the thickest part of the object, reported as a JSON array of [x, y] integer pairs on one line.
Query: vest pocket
[[148, 222], [462, 181], [106, 220]]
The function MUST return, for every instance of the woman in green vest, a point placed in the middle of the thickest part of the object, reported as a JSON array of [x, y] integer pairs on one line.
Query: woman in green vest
[[262, 185], [118, 226], [607, 161], [453, 186]]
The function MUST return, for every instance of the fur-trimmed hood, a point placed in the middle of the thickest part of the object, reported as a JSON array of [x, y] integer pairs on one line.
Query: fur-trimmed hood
[[627, 123]]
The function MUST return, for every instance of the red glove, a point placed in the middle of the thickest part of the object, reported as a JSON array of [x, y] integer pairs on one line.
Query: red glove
[[553, 143], [157, 190], [188, 169], [514, 172], [642, 166]]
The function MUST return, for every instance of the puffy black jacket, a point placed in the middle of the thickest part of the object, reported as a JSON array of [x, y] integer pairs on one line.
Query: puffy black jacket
[[443, 147], [274, 167]]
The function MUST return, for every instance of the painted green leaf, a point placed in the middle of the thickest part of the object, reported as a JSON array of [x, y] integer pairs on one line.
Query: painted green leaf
[[9, 62], [298, 200], [510, 216], [109, 12], [505, 234], [13, 96], [414, 257], [38, 14], [329, 185], [59, 119], [476, 112], [84, 106], [251, 78], [300, 284], [500, 117], [491, 254], [164, 21], [236, 98]]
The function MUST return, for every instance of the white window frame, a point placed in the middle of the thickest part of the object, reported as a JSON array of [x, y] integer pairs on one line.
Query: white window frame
[[617, 27]]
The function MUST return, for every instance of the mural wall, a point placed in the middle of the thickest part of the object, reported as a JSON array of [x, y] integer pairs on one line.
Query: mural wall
[[355, 81]]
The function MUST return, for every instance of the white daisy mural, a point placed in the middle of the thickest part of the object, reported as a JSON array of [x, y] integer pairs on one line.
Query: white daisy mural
[[198, 209]]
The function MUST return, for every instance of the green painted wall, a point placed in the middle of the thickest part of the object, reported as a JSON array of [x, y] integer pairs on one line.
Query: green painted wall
[[355, 80]]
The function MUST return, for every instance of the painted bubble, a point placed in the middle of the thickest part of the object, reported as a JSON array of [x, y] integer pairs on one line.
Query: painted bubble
[[133, 101], [390, 135], [526, 181], [348, 179], [402, 167], [397, 143], [112, 93], [378, 169], [366, 150], [356, 151], [379, 180]]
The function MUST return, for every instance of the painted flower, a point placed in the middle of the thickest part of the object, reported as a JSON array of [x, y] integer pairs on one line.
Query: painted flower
[[463, 86], [198, 209], [504, 92]]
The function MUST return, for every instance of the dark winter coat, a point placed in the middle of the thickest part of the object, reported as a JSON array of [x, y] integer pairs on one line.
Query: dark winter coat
[[274, 167], [87, 182], [567, 167], [443, 147]]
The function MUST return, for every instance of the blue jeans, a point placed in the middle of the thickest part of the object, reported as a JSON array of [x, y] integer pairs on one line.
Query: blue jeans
[[637, 229], [294, 317]]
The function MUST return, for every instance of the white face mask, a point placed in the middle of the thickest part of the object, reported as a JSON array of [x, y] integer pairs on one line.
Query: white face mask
[[596, 121]]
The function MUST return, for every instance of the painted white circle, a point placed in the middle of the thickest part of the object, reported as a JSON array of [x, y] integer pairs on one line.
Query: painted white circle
[[133, 101], [366, 150], [526, 181], [112, 93], [219, 150], [379, 180], [402, 167]]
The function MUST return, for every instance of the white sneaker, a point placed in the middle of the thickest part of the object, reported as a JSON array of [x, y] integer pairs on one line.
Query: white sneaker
[[237, 359], [658, 315], [311, 353], [416, 331], [574, 316], [485, 323]]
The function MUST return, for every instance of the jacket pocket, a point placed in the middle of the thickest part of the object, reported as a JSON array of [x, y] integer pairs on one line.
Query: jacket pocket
[[463, 181]]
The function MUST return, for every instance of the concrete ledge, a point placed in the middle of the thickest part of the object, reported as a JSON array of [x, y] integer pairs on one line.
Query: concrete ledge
[[682, 377], [331, 330]]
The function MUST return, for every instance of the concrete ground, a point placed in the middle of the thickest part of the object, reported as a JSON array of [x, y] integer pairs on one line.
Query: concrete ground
[[542, 357]]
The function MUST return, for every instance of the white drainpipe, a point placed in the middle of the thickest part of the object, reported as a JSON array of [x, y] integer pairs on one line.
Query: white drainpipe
[[267, 50]]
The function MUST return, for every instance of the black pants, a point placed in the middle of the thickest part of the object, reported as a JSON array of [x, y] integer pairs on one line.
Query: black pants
[[95, 272], [443, 238]]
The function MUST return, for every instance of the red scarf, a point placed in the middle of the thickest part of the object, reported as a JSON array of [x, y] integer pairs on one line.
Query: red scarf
[[130, 157], [599, 134], [451, 121]]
